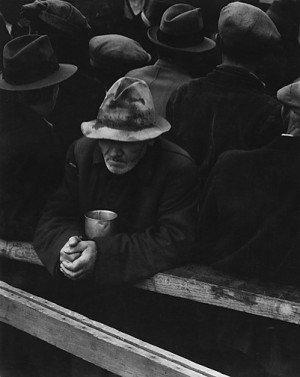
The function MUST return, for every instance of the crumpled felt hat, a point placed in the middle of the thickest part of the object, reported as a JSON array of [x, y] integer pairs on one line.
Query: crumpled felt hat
[[126, 114], [181, 29], [29, 63], [244, 26], [117, 53], [289, 96], [59, 14]]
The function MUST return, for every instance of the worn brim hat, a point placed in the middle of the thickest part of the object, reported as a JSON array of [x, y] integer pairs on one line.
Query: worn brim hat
[[126, 114], [181, 29], [89, 130], [29, 63]]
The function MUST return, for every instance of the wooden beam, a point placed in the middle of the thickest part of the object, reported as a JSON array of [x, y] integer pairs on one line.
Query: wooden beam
[[90, 340], [21, 251], [202, 284]]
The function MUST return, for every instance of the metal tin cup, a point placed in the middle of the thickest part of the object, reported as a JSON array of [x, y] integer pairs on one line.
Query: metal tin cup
[[99, 223]]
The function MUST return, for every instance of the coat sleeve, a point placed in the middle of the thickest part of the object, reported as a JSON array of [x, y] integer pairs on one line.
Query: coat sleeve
[[60, 219], [168, 242]]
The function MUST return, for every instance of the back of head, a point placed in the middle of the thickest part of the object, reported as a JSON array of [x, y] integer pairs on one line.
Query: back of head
[[65, 25], [246, 31], [113, 55], [289, 96]]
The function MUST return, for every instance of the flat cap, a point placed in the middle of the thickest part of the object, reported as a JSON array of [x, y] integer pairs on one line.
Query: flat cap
[[116, 53], [246, 26]]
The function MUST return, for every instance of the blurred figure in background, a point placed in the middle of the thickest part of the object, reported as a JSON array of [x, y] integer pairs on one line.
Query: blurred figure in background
[[249, 227], [31, 167], [112, 55], [179, 40], [229, 108], [69, 33]]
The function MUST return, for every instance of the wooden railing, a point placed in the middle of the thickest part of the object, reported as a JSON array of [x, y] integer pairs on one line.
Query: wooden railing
[[120, 353], [92, 341], [203, 285]]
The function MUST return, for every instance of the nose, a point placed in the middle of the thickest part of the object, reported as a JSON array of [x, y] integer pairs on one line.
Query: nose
[[115, 150]]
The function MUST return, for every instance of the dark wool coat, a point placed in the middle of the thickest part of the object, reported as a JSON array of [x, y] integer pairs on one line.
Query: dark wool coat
[[249, 226], [155, 202], [31, 167], [162, 78], [78, 101], [227, 109], [249, 221]]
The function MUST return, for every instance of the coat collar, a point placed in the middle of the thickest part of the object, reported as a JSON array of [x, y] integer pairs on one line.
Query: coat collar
[[231, 75]]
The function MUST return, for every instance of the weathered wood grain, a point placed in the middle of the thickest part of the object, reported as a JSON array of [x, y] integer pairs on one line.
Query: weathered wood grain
[[21, 251], [90, 340], [202, 284]]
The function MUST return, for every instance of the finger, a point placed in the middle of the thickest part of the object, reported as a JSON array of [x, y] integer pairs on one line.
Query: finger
[[73, 241], [69, 257], [72, 275], [78, 264]]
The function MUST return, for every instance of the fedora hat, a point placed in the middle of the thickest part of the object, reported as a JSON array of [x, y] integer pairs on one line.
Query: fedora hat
[[29, 63], [181, 29], [59, 14], [154, 9], [246, 27], [126, 114]]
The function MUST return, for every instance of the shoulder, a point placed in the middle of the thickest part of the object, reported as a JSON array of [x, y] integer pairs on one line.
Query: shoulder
[[173, 155], [82, 148]]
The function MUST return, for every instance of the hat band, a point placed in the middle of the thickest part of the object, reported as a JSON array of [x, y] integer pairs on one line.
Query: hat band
[[30, 74], [129, 125], [180, 41]]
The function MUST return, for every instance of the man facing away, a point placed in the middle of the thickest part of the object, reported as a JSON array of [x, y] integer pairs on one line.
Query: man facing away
[[249, 226], [229, 108], [180, 43], [122, 165]]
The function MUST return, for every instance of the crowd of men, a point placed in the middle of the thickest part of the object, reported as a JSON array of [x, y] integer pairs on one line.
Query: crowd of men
[[185, 121]]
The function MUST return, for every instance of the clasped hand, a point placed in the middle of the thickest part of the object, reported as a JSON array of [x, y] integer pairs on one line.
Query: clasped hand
[[77, 258]]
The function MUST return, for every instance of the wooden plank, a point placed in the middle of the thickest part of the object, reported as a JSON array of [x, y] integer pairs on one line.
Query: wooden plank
[[90, 340], [21, 251], [202, 284]]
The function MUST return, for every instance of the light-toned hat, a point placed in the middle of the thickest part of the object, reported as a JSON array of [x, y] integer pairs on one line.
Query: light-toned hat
[[117, 53], [181, 29], [29, 63], [289, 96], [246, 26], [126, 114], [60, 15]]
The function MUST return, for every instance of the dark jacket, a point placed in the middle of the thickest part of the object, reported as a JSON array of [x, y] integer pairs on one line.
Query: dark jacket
[[31, 167], [162, 78], [227, 109], [155, 203], [78, 101], [249, 220]]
